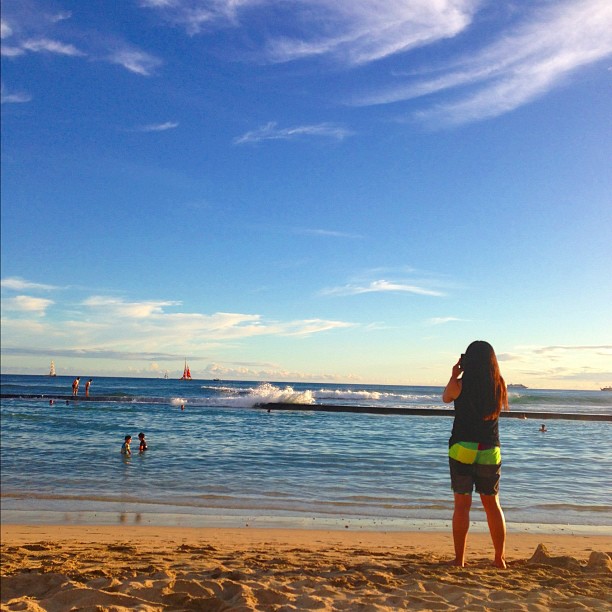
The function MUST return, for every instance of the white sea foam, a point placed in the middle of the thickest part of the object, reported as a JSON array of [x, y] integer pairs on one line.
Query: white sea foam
[[177, 401], [266, 393], [221, 389], [347, 394]]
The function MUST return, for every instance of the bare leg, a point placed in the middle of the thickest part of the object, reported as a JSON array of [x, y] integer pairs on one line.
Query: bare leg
[[461, 524], [497, 527]]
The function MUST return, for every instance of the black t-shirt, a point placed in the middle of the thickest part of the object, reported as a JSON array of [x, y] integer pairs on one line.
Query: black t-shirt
[[469, 426]]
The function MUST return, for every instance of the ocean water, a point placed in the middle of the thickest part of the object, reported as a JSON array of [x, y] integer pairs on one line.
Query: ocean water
[[223, 461]]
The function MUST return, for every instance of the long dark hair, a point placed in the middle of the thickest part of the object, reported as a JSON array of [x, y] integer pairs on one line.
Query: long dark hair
[[482, 383]]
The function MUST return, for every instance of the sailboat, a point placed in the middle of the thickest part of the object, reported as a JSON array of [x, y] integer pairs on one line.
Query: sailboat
[[186, 373], [52, 369]]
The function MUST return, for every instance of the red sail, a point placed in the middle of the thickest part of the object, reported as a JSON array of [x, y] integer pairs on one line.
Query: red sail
[[186, 373]]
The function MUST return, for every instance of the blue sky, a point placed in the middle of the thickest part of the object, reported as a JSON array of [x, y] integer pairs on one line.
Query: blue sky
[[308, 190]]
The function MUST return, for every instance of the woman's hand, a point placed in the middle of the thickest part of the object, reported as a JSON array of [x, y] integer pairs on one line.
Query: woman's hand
[[457, 370]]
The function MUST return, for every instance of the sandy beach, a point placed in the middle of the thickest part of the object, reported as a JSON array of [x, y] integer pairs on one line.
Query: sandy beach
[[113, 568]]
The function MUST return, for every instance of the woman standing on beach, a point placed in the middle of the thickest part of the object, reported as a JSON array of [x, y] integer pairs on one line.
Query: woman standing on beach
[[479, 392]]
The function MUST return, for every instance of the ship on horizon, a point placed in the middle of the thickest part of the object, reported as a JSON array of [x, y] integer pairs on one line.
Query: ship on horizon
[[186, 372]]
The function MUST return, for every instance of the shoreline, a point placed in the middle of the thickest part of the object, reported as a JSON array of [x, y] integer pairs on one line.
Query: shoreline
[[127, 567], [237, 520]]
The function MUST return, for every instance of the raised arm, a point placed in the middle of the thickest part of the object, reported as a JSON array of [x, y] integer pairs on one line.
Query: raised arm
[[453, 388]]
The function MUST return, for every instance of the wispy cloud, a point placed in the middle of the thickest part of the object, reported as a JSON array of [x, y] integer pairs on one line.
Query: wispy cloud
[[135, 60], [141, 326], [270, 131], [381, 286], [17, 97], [5, 29], [519, 66], [367, 31], [442, 320], [546, 350], [120, 308], [197, 15], [10, 51], [19, 284], [326, 233], [354, 32], [266, 371], [157, 127], [554, 364], [46, 45], [90, 353], [34, 30], [27, 304]]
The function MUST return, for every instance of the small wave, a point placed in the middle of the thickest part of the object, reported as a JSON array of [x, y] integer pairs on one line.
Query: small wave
[[178, 401], [221, 389], [267, 393], [348, 394], [573, 507]]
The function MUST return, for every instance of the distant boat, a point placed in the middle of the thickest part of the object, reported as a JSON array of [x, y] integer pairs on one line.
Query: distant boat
[[517, 386], [52, 369], [166, 374], [606, 388], [186, 373]]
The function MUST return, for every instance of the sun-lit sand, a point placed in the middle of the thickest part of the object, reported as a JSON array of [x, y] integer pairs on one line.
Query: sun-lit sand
[[113, 568]]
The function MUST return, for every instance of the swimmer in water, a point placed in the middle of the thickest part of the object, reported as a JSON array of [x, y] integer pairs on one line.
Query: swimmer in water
[[125, 447], [143, 443], [543, 428]]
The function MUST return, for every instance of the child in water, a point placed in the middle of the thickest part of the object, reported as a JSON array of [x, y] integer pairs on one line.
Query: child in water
[[143, 443], [125, 447]]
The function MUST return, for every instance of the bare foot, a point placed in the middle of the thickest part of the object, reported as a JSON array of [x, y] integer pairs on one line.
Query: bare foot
[[455, 563], [500, 563]]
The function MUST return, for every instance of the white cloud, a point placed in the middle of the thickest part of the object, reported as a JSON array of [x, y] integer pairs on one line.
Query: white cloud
[[11, 51], [60, 16], [196, 15], [517, 67], [27, 304], [547, 350], [17, 97], [19, 284], [90, 353], [270, 372], [5, 29], [327, 233], [117, 307], [147, 325], [369, 30], [355, 32], [113, 328], [271, 132], [158, 127], [135, 61], [381, 286], [442, 320], [47, 45]]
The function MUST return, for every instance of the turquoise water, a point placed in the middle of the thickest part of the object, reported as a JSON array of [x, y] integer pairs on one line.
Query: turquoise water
[[220, 459]]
